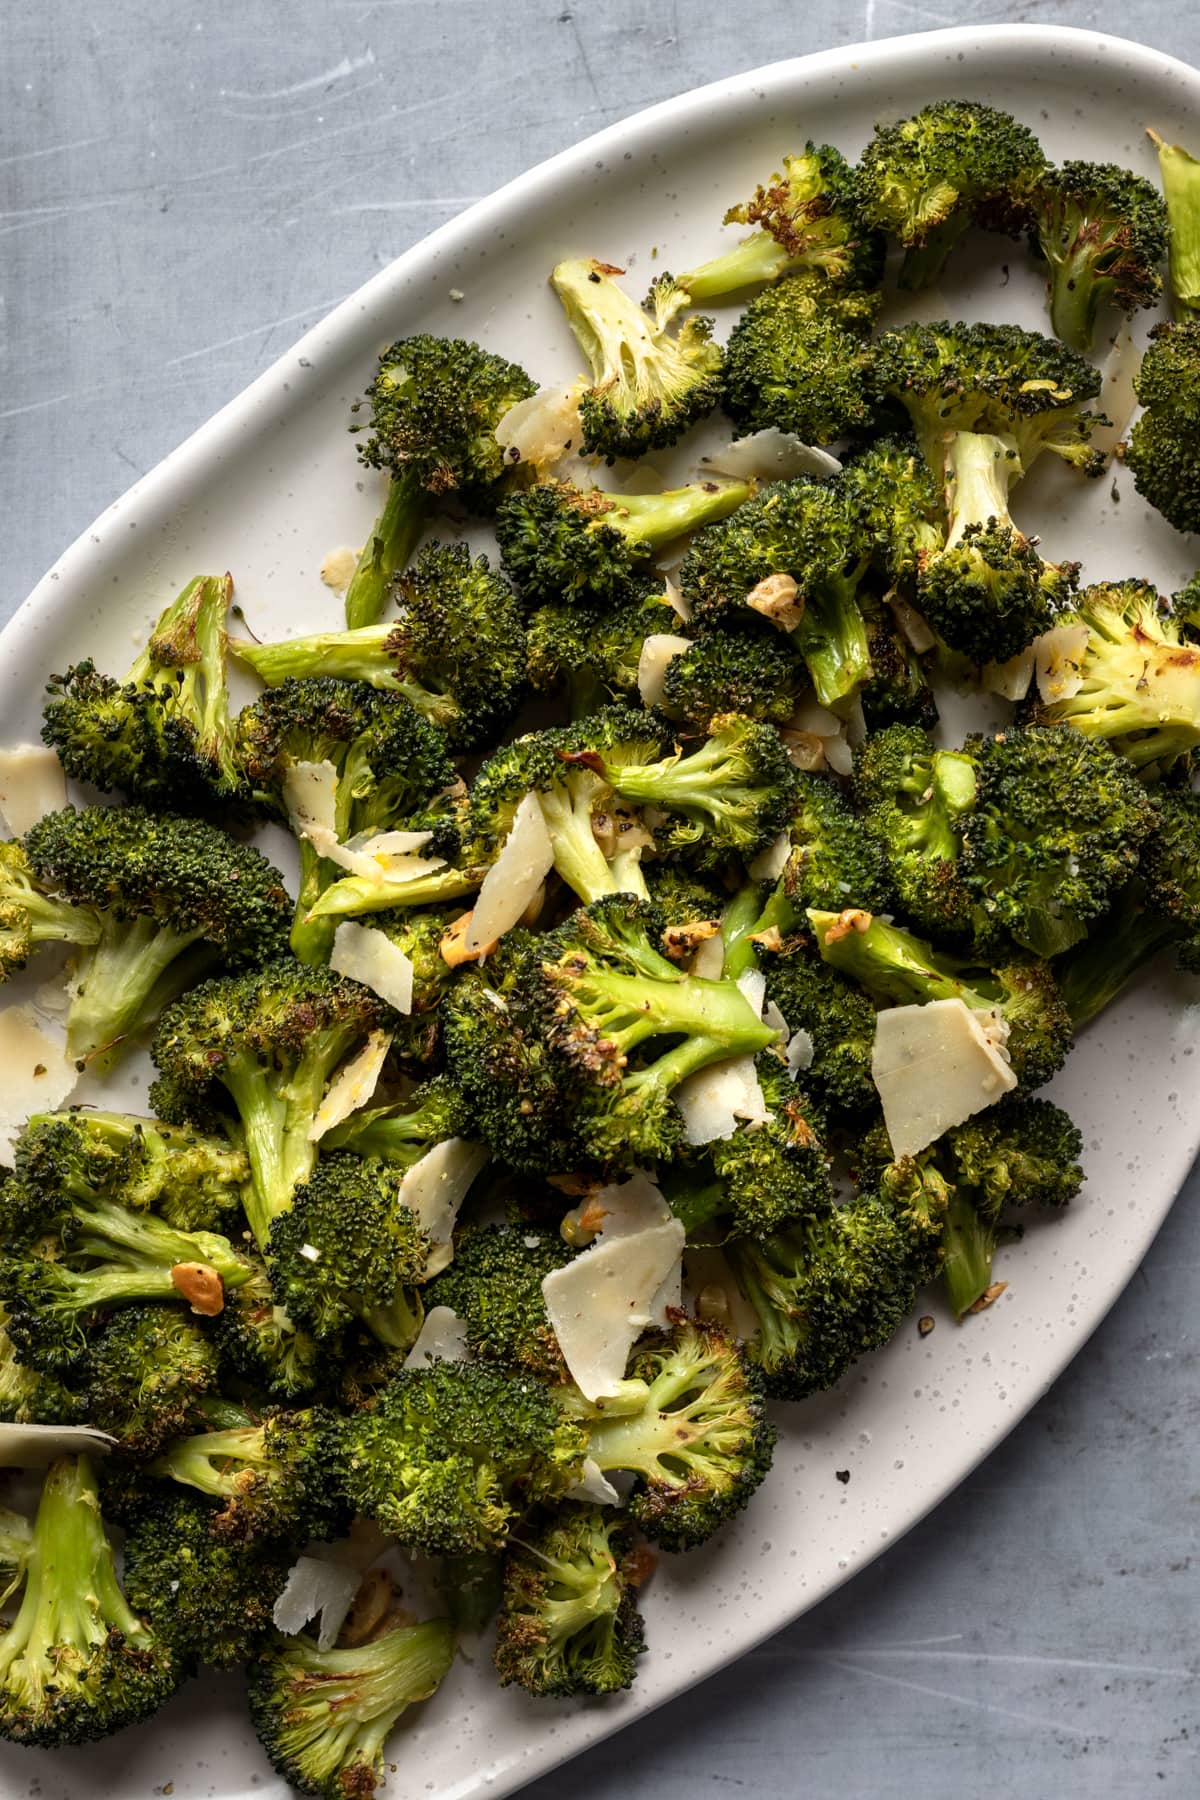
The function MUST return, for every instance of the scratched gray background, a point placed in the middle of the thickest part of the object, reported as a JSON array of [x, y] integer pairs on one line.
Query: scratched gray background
[[185, 188]]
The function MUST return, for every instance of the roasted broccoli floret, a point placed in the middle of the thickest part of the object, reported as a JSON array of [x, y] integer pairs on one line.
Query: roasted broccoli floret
[[808, 217], [569, 1622], [650, 381], [738, 668], [994, 379], [265, 1047], [699, 1442], [259, 1345], [392, 769], [1161, 452], [456, 653], [175, 899], [451, 1452], [838, 1022], [30, 918], [897, 502], [347, 1250], [494, 1285], [1103, 231], [27, 1397], [324, 1716], [832, 862], [1177, 170], [897, 968], [191, 1178], [796, 554], [276, 1477], [1139, 676], [809, 375], [145, 1374], [594, 652], [832, 1287], [559, 542], [209, 1599], [77, 1662], [929, 178], [435, 404], [913, 798], [163, 734]]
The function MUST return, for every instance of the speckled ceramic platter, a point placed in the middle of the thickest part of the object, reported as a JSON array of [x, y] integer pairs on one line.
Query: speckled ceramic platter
[[270, 486]]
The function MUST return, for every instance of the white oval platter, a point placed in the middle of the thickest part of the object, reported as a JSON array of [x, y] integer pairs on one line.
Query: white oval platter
[[270, 485]]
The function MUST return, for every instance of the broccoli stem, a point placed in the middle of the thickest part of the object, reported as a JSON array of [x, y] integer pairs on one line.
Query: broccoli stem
[[1076, 288], [276, 1121], [714, 1018], [189, 640], [126, 978], [925, 263], [1094, 974], [150, 1244], [393, 539], [739, 919], [215, 1462], [968, 1245], [688, 784], [72, 1601], [1180, 175], [891, 964], [758, 258], [354, 895], [832, 639], [364, 654], [655, 1441], [980, 470], [578, 858], [658, 519], [397, 1324]]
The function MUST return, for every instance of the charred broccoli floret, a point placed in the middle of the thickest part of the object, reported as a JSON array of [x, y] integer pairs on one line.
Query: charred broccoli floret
[[191, 1178], [163, 734], [259, 1345], [595, 651], [806, 374], [649, 380], [1161, 452], [1103, 231], [839, 1022], [435, 404], [276, 1477], [569, 1622], [30, 918], [27, 1397], [146, 1372], [746, 668], [494, 1285]]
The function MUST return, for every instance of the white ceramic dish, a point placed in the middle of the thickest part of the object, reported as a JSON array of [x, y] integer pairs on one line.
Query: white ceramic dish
[[268, 487]]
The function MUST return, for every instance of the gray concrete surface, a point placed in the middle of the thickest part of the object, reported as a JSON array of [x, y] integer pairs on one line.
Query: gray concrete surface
[[184, 188]]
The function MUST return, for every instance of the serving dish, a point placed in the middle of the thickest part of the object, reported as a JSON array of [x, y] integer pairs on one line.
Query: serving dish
[[268, 488]]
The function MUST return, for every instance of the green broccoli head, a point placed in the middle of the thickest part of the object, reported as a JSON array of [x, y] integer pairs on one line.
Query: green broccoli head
[[77, 1662], [1104, 233], [1161, 452], [145, 1373], [650, 381], [324, 1716], [258, 1345], [494, 1285], [451, 1453], [738, 667], [896, 500], [569, 1621], [276, 1476], [594, 652], [27, 1397], [191, 1178], [954, 164], [788, 369], [30, 918], [914, 798], [839, 1022], [176, 898], [833, 862], [162, 734]]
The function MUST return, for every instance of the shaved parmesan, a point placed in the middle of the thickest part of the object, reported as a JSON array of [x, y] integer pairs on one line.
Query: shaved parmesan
[[38, 1074], [775, 1019], [753, 984], [388, 843], [594, 1486], [37, 1446], [32, 784], [935, 1066], [435, 1187], [659, 651], [1010, 679], [770, 863], [370, 956], [544, 428], [800, 1052], [513, 880], [374, 866], [352, 1087], [714, 1099], [772, 455], [1117, 400], [709, 960], [912, 624], [442, 1338], [1059, 658], [316, 1589], [628, 1206], [310, 795], [675, 599], [838, 754], [600, 1303]]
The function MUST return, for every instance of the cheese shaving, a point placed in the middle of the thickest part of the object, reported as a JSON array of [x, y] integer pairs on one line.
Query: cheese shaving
[[770, 863], [435, 1188], [659, 651], [513, 880], [599, 1304], [594, 1487], [316, 1589], [38, 1074], [442, 1338], [934, 1067], [352, 1087], [714, 1099], [1058, 662], [37, 1446], [32, 784], [369, 956]]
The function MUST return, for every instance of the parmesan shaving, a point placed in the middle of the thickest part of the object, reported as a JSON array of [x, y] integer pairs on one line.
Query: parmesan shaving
[[714, 1099], [599, 1304], [800, 1052], [770, 863], [659, 650], [594, 1486], [435, 1188], [310, 796], [544, 428], [1010, 680], [442, 1338], [316, 1589], [935, 1066], [513, 880], [709, 960], [1058, 662], [38, 1074], [37, 1446], [369, 956], [352, 1087], [32, 784], [771, 455]]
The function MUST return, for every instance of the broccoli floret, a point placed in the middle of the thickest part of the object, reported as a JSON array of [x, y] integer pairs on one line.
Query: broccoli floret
[[420, 934], [809, 217], [839, 1020], [435, 405], [913, 798], [404, 1131], [27, 1397], [191, 1178], [808, 375], [929, 178], [833, 1287], [994, 379], [1161, 451], [747, 669], [559, 542], [897, 691], [258, 1344], [986, 590], [209, 1599], [347, 1250], [897, 968], [1139, 677], [569, 1622], [833, 862], [392, 768], [594, 651], [265, 1046], [77, 1662], [700, 1442], [494, 1285], [456, 653], [162, 734], [145, 1373], [451, 1452], [897, 502], [684, 896], [649, 381], [30, 918], [1181, 192], [175, 898], [1103, 230], [276, 1477], [797, 554], [324, 1716]]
